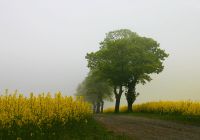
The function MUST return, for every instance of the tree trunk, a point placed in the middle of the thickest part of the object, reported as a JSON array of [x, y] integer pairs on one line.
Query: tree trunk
[[94, 107], [102, 104], [117, 97], [131, 95], [117, 104], [130, 100], [98, 107], [130, 106]]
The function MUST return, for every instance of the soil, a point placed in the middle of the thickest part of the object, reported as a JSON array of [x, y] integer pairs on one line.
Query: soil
[[142, 128]]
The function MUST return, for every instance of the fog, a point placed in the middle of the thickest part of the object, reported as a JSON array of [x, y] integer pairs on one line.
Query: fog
[[43, 43]]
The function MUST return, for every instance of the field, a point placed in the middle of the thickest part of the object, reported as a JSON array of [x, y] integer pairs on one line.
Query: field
[[58, 117], [40, 116], [178, 110]]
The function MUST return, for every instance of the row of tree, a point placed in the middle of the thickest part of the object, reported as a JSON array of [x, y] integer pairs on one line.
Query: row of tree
[[95, 90], [124, 60]]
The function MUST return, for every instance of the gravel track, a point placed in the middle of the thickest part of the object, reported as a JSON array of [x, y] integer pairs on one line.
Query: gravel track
[[142, 128]]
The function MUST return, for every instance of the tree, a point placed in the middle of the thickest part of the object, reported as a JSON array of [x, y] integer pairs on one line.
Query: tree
[[146, 58], [95, 90], [126, 59], [112, 60]]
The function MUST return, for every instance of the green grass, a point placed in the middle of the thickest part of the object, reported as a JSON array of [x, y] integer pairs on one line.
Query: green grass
[[92, 130], [193, 120]]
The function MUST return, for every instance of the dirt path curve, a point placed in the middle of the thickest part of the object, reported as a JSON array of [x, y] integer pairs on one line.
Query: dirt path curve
[[141, 128]]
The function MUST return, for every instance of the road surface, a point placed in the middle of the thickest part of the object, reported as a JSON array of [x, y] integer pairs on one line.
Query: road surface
[[142, 128]]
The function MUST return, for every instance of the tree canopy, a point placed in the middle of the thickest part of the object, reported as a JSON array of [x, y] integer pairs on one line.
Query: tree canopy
[[126, 59], [95, 90]]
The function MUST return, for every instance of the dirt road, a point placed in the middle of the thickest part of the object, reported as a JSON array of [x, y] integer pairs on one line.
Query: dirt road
[[141, 128]]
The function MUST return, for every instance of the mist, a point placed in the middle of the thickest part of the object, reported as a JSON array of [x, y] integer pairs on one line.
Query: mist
[[43, 43]]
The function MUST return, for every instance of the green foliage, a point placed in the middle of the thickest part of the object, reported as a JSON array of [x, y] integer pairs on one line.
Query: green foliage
[[126, 59], [94, 88], [124, 56]]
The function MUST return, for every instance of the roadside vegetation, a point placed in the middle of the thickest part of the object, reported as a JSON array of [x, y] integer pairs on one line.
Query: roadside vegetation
[[95, 90], [183, 111]]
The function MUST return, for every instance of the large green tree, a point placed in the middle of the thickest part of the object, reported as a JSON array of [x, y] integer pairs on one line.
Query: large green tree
[[112, 61], [95, 90], [126, 59], [146, 58]]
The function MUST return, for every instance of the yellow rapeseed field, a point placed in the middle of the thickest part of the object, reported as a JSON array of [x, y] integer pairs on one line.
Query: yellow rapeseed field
[[40, 113], [165, 107]]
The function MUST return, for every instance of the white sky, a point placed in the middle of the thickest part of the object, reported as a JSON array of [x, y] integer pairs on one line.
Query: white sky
[[43, 42]]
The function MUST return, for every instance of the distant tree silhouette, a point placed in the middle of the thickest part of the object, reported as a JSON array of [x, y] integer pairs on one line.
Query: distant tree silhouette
[[95, 90]]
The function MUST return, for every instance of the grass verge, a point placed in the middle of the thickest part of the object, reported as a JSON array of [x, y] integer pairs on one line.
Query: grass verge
[[92, 131]]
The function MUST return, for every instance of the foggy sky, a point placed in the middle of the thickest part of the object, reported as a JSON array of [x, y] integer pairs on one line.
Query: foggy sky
[[43, 43]]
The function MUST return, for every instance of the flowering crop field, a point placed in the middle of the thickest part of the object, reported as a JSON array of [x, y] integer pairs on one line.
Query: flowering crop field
[[43, 115], [187, 108], [170, 107]]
